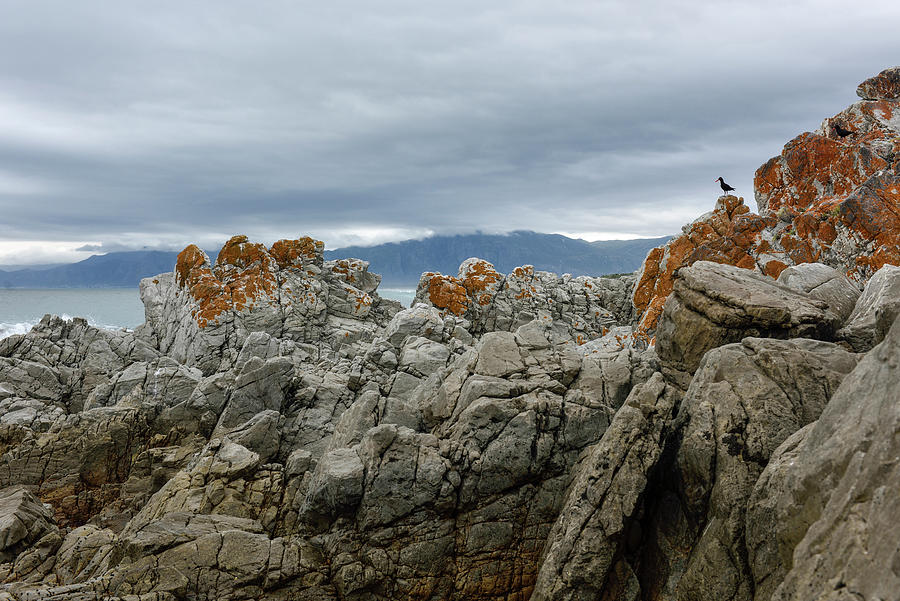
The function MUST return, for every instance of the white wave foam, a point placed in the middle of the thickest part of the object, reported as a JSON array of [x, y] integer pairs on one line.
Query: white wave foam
[[23, 327], [9, 329]]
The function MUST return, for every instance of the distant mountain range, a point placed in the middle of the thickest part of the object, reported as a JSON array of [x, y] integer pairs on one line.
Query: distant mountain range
[[112, 270], [400, 263]]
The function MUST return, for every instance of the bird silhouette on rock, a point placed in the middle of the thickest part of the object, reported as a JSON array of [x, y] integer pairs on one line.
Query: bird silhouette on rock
[[725, 187], [841, 131]]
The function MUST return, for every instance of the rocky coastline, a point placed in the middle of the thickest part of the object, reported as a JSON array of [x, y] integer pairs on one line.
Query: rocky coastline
[[720, 425]]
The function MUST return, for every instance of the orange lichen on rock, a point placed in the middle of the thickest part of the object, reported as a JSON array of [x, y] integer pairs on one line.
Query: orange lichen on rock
[[194, 273], [523, 272], [480, 280], [447, 292], [346, 268], [774, 268], [244, 273], [297, 253], [730, 234], [247, 270], [810, 167], [189, 265], [885, 85]]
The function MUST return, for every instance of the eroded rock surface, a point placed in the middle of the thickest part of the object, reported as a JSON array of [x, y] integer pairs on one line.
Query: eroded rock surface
[[490, 300], [822, 516], [254, 440], [277, 430]]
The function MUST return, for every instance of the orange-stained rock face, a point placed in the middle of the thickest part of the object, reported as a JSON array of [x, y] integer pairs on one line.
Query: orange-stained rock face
[[447, 292], [189, 265], [480, 280], [244, 273], [297, 253], [474, 286], [827, 198], [812, 167], [730, 234], [885, 85]]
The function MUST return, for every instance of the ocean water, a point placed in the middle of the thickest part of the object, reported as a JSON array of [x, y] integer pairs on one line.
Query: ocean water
[[404, 295], [108, 308]]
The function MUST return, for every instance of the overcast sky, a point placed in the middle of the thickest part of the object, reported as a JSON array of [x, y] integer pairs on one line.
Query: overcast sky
[[157, 124]]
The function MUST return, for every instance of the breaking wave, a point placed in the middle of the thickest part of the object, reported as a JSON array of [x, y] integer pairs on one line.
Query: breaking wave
[[23, 327]]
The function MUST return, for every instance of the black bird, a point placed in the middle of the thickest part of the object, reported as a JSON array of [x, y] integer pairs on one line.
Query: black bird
[[841, 131], [725, 187]]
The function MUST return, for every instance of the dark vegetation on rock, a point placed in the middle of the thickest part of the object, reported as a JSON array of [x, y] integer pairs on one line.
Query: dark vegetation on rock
[[277, 430]]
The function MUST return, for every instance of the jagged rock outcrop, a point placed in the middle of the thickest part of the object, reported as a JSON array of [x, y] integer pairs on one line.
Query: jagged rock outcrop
[[246, 441], [826, 199], [64, 361], [490, 300], [201, 314], [276, 430]]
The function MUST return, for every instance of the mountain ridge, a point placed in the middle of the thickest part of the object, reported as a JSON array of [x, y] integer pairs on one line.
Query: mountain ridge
[[400, 263], [404, 262]]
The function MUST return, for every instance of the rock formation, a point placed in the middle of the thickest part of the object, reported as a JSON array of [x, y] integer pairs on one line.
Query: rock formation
[[826, 199], [277, 430]]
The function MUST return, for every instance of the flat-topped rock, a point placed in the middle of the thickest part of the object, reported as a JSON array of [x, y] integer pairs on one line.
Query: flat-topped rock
[[714, 304]]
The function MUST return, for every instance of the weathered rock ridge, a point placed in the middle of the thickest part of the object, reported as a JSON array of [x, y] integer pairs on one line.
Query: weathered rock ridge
[[277, 430], [825, 199]]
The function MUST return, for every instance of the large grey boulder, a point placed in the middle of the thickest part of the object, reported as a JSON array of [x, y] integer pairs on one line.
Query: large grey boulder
[[714, 304], [744, 400], [875, 310], [822, 520], [823, 283]]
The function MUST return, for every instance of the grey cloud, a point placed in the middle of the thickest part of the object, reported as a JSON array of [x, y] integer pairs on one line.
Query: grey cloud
[[193, 121]]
